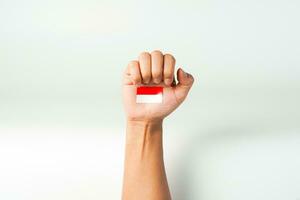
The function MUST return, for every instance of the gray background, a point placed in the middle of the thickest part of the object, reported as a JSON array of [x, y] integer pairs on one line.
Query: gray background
[[61, 118]]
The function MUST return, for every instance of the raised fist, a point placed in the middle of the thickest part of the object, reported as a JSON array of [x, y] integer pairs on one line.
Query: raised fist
[[155, 69]]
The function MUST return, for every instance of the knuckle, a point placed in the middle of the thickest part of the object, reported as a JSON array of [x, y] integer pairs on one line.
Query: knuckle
[[144, 54], [156, 52], [133, 64], [170, 57]]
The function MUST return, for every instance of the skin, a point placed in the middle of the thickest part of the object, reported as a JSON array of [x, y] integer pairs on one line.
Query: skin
[[144, 171]]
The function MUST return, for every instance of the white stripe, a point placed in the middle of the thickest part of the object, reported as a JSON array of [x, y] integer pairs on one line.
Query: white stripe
[[155, 98]]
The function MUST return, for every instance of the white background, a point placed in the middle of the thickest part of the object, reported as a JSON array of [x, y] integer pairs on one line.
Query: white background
[[61, 120]]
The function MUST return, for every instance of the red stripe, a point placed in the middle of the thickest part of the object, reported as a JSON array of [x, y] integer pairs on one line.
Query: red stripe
[[149, 90]]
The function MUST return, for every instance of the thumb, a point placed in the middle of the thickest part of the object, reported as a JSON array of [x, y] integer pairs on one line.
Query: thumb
[[185, 82]]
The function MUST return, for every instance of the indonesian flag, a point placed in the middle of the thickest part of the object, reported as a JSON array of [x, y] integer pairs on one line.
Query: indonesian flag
[[149, 94]]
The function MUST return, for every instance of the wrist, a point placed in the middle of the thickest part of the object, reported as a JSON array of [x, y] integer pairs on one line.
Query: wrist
[[141, 131], [144, 122]]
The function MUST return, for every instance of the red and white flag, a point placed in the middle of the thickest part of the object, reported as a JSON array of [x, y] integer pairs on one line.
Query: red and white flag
[[149, 94]]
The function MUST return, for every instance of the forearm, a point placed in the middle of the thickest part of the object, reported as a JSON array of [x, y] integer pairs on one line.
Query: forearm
[[144, 174]]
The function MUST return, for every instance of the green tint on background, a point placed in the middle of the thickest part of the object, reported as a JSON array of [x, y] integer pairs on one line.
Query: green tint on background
[[236, 137]]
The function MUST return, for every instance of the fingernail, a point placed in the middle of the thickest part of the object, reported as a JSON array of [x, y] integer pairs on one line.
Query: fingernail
[[168, 81], [156, 80]]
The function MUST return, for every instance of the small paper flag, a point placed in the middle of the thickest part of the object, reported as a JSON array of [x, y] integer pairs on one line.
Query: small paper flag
[[149, 94]]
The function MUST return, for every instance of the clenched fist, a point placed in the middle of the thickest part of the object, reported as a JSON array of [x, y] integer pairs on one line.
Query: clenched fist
[[154, 69]]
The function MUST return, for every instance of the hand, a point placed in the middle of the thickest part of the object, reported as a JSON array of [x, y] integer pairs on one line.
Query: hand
[[154, 69]]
